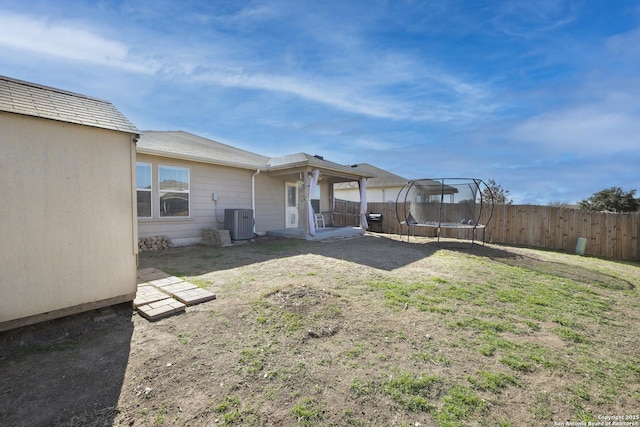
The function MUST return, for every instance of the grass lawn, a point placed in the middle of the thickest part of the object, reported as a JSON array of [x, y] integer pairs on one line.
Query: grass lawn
[[374, 331], [370, 331]]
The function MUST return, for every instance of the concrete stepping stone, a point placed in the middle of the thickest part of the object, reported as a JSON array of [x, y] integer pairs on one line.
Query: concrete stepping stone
[[147, 294], [172, 288], [160, 295], [159, 309], [194, 296], [168, 280]]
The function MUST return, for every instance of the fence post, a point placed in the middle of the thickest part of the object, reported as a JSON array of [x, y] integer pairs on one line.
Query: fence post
[[608, 235]]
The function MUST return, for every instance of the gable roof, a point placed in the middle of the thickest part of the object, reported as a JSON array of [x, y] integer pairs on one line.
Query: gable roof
[[381, 178], [304, 159], [30, 99], [186, 146]]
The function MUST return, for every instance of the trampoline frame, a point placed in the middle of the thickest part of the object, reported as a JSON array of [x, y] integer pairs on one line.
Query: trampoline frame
[[406, 218]]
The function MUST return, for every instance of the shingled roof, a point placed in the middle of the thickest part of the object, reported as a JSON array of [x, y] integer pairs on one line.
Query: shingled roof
[[184, 145], [381, 178], [304, 159], [30, 99]]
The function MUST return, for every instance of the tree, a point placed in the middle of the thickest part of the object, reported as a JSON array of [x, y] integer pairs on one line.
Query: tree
[[561, 205], [612, 199], [500, 195]]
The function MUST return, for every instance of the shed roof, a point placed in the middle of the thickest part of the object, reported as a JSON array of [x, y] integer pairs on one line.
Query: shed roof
[[30, 99]]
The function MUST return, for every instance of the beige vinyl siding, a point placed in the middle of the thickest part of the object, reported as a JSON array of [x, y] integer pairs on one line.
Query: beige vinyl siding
[[270, 192], [351, 194], [325, 193], [374, 195], [68, 224], [233, 186]]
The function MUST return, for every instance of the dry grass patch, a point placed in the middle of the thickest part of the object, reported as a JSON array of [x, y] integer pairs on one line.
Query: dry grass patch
[[374, 331]]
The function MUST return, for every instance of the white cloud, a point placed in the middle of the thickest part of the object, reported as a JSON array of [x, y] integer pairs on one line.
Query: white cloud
[[371, 144], [355, 79], [64, 40], [582, 129], [523, 18], [424, 95], [626, 43], [242, 18]]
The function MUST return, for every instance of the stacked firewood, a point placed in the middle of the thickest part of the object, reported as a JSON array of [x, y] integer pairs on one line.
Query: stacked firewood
[[154, 243]]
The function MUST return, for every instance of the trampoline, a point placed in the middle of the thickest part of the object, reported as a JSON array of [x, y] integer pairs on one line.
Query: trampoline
[[446, 203]]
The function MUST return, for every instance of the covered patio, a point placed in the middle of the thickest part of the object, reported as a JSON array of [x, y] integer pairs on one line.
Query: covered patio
[[320, 233], [310, 198]]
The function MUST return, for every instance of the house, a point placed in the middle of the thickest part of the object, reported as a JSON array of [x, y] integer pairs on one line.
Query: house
[[383, 187], [68, 229], [187, 183]]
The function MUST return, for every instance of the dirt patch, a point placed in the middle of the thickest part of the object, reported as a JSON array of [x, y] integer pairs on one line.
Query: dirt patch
[[307, 302], [367, 331]]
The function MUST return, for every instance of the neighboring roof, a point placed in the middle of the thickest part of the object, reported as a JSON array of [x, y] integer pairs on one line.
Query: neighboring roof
[[30, 99], [381, 179], [186, 146]]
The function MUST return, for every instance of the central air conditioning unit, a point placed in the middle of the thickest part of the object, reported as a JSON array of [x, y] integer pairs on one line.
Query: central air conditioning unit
[[239, 222]]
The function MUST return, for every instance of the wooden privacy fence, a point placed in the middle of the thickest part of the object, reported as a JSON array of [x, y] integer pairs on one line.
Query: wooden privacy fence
[[608, 235], [345, 214]]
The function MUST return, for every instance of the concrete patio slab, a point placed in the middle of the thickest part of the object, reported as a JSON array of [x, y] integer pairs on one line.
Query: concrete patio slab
[[325, 233]]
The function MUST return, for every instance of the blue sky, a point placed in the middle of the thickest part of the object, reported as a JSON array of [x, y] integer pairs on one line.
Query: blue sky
[[541, 96]]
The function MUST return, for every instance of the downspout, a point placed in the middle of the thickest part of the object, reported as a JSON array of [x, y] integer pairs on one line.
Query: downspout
[[134, 210], [253, 198]]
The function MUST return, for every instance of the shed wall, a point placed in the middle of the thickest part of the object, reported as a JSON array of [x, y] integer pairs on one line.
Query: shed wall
[[68, 229]]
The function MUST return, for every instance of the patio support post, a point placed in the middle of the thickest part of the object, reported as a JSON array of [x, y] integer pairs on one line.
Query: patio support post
[[253, 198], [313, 182], [363, 203]]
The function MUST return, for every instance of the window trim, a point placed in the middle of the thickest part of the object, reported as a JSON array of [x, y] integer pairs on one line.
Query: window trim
[[150, 190], [187, 192]]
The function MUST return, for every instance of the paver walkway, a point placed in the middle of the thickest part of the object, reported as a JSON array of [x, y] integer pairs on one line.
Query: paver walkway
[[160, 295]]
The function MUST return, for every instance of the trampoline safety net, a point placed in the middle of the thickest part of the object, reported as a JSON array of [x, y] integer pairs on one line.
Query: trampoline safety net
[[462, 203]]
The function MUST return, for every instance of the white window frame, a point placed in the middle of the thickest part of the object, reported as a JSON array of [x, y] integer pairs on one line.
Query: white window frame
[[150, 190], [187, 192]]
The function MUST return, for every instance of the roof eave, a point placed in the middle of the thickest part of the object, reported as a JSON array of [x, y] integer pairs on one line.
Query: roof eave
[[186, 157], [307, 164], [131, 131]]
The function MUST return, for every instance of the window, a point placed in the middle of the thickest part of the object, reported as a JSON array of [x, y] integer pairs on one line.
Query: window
[[292, 196], [173, 191], [143, 187]]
